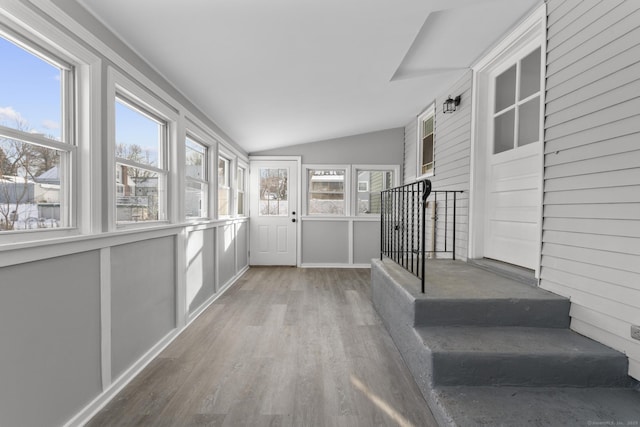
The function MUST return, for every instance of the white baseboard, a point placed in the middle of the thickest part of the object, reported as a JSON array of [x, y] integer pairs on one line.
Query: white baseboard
[[327, 265]]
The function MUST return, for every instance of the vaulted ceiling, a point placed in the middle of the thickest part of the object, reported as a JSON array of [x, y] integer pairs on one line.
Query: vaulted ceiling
[[281, 72]]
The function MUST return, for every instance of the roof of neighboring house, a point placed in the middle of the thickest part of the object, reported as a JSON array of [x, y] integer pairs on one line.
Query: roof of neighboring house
[[50, 176]]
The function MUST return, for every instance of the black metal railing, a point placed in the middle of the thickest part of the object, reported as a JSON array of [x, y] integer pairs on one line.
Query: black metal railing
[[413, 224]]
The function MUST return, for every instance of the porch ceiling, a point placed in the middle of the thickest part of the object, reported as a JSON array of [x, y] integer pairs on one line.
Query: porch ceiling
[[282, 72]]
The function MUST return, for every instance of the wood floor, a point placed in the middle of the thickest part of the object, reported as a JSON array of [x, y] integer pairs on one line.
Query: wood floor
[[283, 347]]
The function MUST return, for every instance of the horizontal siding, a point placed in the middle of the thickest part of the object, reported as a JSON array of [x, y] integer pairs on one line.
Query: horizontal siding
[[410, 151], [452, 160], [591, 228]]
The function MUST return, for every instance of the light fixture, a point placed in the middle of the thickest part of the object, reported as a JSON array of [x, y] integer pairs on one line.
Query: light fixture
[[450, 105]]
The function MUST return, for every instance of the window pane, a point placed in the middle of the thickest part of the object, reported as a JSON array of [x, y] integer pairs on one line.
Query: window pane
[[240, 182], [138, 137], [223, 172], [224, 191], [506, 89], [30, 186], [503, 132], [195, 159], [326, 191], [529, 122], [138, 195], [530, 74], [196, 200], [370, 184], [273, 192], [427, 154], [30, 92]]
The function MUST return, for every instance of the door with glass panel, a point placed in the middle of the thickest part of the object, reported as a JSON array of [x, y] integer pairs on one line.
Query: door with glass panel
[[514, 161], [273, 211]]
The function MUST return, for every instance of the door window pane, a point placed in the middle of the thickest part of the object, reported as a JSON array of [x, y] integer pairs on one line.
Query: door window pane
[[506, 89], [326, 192], [530, 74], [503, 132], [529, 122], [273, 192]]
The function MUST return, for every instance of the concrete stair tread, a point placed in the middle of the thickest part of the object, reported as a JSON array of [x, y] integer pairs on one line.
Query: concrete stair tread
[[536, 406], [511, 341]]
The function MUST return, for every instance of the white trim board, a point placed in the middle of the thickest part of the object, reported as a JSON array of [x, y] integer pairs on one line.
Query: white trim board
[[530, 32]]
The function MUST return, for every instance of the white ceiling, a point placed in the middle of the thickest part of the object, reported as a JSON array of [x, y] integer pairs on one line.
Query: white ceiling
[[282, 72]]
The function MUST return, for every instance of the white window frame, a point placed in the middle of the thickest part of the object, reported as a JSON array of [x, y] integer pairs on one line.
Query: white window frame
[[428, 113], [245, 167], [122, 88], [347, 189], [394, 169], [80, 129], [204, 181], [230, 158]]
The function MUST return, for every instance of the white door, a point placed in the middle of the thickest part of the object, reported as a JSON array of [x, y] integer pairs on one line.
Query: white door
[[514, 161], [273, 211]]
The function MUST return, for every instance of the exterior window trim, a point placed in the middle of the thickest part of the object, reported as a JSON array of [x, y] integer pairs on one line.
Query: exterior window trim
[[425, 115]]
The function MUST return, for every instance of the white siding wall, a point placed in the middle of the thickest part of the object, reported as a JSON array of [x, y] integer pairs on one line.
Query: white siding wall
[[452, 159], [591, 229]]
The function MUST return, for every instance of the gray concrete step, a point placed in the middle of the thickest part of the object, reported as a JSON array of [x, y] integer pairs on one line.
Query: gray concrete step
[[552, 312], [520, 356], [462, 294], [536, 406]]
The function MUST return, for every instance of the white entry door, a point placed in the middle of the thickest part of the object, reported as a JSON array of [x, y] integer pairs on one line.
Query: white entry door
[[273, 210], [514, 162]]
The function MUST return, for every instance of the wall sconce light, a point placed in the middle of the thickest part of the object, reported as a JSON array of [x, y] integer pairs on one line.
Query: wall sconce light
[[450, 105]]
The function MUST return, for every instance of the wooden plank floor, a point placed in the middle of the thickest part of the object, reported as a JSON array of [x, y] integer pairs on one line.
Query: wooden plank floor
[[283, 347]]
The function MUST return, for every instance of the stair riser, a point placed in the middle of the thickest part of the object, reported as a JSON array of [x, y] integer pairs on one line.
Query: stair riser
[[529, 371], [527, 313]]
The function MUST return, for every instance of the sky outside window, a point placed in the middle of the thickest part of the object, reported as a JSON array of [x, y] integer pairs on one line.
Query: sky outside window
[[30, 92], [138, 137]]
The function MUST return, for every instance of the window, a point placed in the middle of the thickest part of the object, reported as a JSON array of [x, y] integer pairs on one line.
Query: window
[[197, 179], [224, 188], [516, 116], [326, 191], [274, 192], [140, 154], [37, 144], [426, 144], [370, 185], [240, 188]]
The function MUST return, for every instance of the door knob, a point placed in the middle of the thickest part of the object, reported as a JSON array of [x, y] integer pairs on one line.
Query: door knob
[[293, 220]]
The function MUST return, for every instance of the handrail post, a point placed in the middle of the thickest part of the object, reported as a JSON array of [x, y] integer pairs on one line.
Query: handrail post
[[426, 191]]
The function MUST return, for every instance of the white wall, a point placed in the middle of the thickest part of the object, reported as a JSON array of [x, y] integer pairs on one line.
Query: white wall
[[591, 228]]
